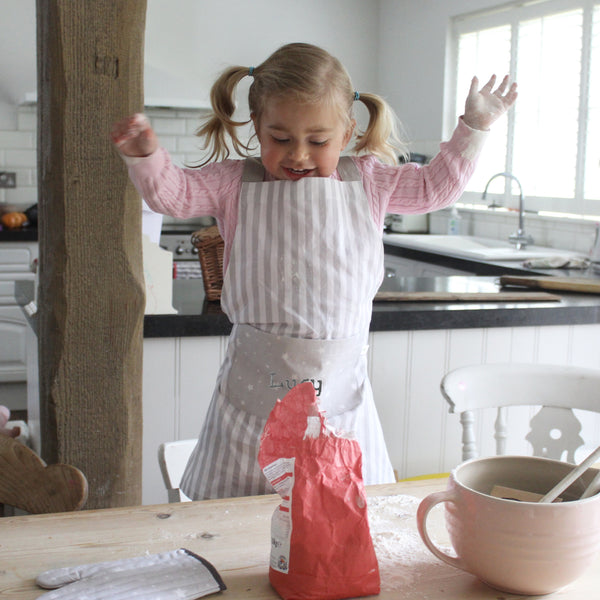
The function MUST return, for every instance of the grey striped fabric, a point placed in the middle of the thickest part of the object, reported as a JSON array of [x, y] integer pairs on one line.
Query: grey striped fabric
[[306, 262], [325, 259], [225, 461]]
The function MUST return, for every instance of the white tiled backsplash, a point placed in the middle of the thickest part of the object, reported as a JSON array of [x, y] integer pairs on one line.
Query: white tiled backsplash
[[18, 154], [176, 128]]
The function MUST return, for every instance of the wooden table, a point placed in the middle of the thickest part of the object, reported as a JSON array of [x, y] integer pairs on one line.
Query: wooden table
[[234, 535]]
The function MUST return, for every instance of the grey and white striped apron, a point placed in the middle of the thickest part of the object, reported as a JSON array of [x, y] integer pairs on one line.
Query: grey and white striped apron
[[306, 261]]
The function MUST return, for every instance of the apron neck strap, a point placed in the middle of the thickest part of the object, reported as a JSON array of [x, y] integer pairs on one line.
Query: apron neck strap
[[253, 171], [348, 170]]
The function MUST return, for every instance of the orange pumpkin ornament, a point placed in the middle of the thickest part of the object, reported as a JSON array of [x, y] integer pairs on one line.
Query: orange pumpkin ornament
[[13, 220]]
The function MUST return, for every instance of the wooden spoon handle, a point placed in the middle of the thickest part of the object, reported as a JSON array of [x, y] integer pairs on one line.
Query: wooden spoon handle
[[564, 483]]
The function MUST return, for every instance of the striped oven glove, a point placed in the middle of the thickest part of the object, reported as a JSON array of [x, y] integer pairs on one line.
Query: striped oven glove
[[175, 575]]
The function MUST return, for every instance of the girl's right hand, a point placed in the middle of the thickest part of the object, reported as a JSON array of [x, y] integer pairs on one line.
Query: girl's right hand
[[133, 136]]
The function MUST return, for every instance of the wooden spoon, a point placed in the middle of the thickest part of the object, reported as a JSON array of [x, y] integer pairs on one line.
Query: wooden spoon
[[564, 483]]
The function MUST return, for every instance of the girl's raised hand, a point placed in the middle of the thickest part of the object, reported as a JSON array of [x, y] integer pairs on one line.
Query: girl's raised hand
[[486, 105], [133, 136]]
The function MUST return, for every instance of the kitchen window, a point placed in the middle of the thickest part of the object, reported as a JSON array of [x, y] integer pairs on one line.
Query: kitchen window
[[551, 139]]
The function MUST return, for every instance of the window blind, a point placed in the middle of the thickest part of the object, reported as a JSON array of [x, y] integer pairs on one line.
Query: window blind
[[550, 140]]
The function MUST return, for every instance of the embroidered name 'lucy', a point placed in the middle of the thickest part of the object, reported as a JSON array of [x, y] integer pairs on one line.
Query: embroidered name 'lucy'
[[291, 383]]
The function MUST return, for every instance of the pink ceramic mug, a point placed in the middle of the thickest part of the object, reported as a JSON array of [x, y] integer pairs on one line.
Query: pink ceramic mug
[[516, 547]]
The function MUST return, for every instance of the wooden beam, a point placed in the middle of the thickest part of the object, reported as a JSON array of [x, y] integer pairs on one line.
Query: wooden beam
[[91, 294]]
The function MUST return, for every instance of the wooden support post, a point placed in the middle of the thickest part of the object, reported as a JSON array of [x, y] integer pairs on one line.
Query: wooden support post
[[91, 295]]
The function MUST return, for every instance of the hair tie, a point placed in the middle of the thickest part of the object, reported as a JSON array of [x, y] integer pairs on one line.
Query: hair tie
[[356, 96], [250, 71]]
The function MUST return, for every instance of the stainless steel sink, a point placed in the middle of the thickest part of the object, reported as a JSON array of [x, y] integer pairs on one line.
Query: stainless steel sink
[[466, 246]]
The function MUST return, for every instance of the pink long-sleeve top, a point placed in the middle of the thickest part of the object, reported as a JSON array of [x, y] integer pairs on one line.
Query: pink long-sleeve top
[[214, 189]]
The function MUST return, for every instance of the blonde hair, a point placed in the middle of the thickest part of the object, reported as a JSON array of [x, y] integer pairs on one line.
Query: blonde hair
[[306, 74]]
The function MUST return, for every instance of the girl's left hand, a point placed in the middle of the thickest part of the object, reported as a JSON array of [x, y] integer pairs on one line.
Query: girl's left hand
[[485, 106]]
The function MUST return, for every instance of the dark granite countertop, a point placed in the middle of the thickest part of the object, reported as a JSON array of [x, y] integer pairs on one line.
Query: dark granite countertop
[[198, 317], [25, 234]]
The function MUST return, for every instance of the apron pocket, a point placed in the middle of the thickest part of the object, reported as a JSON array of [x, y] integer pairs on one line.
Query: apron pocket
[[261, 367]]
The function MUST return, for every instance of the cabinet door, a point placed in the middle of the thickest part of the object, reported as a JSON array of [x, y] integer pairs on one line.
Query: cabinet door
[[13, 357], [15, 259], [7, 292]]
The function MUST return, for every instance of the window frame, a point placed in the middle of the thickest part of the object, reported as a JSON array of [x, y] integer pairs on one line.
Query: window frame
[[512, 13]]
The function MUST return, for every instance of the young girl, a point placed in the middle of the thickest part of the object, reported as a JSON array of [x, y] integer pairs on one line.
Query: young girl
[[303, 252]]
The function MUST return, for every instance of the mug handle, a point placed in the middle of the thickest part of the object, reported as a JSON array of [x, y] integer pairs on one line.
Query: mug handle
[[422, 512]]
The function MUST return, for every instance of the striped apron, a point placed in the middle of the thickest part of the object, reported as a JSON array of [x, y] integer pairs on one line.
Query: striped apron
[[306, 261]]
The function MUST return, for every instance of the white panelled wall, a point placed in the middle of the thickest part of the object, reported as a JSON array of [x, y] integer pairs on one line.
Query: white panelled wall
[[405, 369]]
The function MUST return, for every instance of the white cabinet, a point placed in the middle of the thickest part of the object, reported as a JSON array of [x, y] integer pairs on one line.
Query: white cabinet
[[15, 264], [405, 368], [175, 398], [13, 365]]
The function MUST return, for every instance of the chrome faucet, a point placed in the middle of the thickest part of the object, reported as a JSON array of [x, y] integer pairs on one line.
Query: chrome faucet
[[519, 238]]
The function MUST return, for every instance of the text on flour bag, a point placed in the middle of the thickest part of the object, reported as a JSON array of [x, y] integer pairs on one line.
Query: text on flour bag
[[321, 545]]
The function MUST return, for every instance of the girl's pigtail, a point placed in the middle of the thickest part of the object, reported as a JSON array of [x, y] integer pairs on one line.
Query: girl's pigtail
[[219, 130], [381, 136]]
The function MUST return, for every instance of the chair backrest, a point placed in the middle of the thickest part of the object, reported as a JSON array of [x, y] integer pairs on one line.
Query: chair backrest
[[28, 484], [172, 458], [556, 389]]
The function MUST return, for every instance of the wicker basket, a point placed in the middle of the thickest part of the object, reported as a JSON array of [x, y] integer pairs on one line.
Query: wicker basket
[[210, 246]]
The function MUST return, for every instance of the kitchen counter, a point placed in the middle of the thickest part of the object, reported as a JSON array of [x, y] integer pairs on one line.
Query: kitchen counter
[[26, 234], [198, 317]]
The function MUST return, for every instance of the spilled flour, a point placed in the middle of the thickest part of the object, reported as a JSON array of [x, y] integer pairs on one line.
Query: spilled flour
[[404, 560]]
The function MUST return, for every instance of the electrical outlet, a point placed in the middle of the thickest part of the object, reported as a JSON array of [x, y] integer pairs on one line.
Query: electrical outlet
[[8, 179]]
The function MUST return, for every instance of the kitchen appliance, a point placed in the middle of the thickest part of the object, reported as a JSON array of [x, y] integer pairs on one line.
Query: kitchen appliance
[[177, 239], [408, 223]]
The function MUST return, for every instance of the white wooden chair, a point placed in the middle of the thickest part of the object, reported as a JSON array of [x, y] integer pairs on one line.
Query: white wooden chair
[[172, 458], [556, 389]]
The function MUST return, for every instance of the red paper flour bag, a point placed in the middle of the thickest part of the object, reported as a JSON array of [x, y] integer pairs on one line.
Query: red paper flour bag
[[321, 546]]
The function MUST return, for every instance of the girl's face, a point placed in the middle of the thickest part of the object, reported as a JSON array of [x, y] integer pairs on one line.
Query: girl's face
[[301, 140]]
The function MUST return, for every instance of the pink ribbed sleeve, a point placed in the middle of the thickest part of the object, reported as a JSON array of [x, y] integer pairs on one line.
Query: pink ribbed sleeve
[[412, 189], [214, 189]]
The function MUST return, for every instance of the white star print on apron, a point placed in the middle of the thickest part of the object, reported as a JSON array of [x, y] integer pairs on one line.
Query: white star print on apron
[[306, 261]]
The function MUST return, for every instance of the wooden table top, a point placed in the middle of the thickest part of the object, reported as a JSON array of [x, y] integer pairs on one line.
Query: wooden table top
[[234, 534]]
